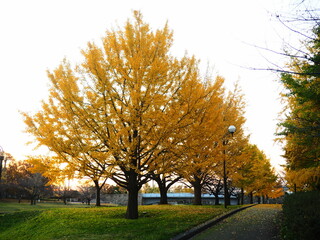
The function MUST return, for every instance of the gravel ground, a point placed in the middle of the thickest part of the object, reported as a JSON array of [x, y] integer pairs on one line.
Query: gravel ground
[[255, 223]]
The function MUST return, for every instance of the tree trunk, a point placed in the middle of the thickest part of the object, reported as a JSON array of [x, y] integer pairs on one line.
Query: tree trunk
[[133, 189], [216, 198], [197, 192], [132, 207], [242, 196], [228, 198], [251, 198], [98, 199], [33, 200], [163, 195], [162, 188], [216, 193]]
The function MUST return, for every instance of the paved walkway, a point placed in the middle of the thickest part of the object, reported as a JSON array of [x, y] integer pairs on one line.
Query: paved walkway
[[255, 223]]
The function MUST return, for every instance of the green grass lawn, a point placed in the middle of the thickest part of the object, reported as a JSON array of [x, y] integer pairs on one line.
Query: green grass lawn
[[10, 206], [57, 221]]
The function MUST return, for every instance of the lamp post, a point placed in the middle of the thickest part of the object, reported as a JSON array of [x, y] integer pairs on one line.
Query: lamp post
[[1, 161], [231, 129]]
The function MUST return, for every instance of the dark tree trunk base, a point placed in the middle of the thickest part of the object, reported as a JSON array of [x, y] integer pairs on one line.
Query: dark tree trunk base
[[197, 193], [132, 207], [133, 190]]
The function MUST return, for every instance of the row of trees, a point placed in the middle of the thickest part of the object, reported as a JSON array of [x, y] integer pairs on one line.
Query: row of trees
[[20, 181], [131, 112], [300, 128]]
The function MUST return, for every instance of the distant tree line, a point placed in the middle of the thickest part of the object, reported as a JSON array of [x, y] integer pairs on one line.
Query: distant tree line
[[20, 183]]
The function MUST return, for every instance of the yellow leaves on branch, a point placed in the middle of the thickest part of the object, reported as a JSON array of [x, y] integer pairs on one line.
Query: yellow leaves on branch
[[304, 179], [255, 174], [52, 168]]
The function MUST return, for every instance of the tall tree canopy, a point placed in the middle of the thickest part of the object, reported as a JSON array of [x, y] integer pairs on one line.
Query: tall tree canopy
[[200, 148], [210, 145], [117, 111], [300, 130]]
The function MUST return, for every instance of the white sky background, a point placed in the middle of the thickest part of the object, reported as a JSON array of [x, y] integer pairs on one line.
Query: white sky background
[[36, 35]]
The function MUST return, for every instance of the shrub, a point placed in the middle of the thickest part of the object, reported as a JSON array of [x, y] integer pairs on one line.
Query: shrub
[[301, 216]]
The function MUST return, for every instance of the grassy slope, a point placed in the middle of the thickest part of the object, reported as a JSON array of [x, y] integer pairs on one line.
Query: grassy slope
[[155, 222]]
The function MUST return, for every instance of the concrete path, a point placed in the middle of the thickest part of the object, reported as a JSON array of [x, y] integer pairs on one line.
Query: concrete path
[[255, 223]]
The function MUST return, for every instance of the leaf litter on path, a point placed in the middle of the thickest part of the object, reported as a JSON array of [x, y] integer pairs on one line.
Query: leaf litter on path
[[258, 222]]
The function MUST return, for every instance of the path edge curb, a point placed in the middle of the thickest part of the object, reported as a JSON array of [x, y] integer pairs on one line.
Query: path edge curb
[[196, 230]]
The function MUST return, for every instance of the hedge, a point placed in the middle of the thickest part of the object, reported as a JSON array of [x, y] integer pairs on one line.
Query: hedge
[[301, 216]]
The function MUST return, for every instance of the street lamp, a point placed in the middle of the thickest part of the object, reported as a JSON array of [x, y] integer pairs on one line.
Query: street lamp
[[1, 161], [231, 129]]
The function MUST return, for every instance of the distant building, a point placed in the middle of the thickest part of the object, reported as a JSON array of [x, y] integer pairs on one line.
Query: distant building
[[154, 198], [183, 198]]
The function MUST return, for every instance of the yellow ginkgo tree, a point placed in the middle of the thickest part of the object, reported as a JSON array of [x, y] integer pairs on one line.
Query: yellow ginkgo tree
[[117, 109], [256, 176], [201, 148]]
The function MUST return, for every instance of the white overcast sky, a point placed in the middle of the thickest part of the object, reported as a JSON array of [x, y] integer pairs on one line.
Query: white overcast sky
[[37, 35]]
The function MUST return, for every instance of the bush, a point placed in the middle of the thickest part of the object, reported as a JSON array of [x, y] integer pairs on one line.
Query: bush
[[301, 216]]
